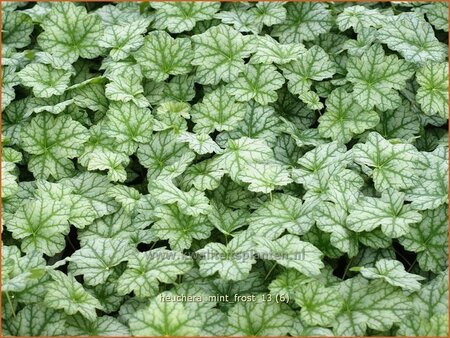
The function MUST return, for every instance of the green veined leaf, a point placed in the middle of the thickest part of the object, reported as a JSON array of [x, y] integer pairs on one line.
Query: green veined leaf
[[432, 93], [101, 326], [163, 55], [389, 212], [260, 318], [344, 117], [128, 123], [437, 14], [200, 143], [258, 82], [265, 177], [226, 65], [180, 229], [319, 305], [304, 22], [96, 259], [145, 270], [376, 305], [376, 78], [53, 141], [192, 202], [123, 39], [431, 188], [162, 318], [126, 88], [242, 152], [16, 29], [314, 64], [44, 79], [232, 261], [38, 320], [226, 219], [218, 111], [393, 272], [429, 239], [67, 294], [394, 165], [413, 37], [41, 225], [359, 18], [180, 17], [332, 218], [270, 51], [58, 39], [291, 252], [283, 212]]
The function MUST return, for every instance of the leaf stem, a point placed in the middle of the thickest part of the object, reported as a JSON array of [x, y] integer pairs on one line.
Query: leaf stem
[[10, 304]]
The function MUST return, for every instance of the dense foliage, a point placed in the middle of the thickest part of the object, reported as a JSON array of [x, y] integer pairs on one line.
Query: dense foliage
[[281, 168]]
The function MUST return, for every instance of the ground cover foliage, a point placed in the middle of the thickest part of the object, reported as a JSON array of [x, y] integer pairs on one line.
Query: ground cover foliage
[[283, 165]]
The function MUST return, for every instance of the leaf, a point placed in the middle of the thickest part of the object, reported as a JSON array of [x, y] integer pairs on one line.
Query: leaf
[[304, 22], [429, 239], [282, 213], [128, 123], [162, 318], [319, 305], [226, 65], [265, 177], [242, 152], [192, 202], [58, 39], [389, 212], [38, 320], [203, 176], [314, 64], [163, 155], [180, 229], [126, 88], [291, 252], [96, 258], [44, 79], [376, 78], [270, 51], [218, 111], [393, 272], [41, 226], [145, 270], [163, 55], [344, 117], [180, 17], [16, 29], [101, 326], [10, 79], [359, 18], [67, 294], [200, 143], [437, 14], [331, 218], [432, 94], [226, 219], [259, 318], [431, 188], [81, 212], [114, 163], [258, 82], [52, 141], [260, 122], [413, 37], [376, 305], [123, 39], [232, 261], [393, 164]]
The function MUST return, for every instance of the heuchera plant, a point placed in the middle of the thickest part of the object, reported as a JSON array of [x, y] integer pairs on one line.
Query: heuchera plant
[[210, 169]]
